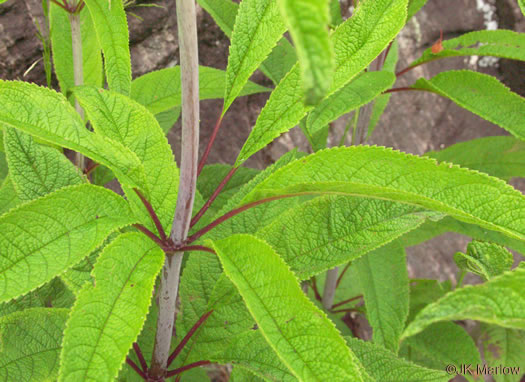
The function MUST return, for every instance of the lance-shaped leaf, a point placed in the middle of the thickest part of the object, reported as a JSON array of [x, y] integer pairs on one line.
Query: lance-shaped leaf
[[108, 316], [308, 23], [37, 170], [387, 174], [111, 28], [123, 120], [49, 116], [371, 28], [8, 196], [44, 237], [414, 6], [499, 301], [484, 259], [258, 27], [503, 157], [332, 230], [282, 57], [30, 344], [384, 280], [497, 43], [481, 94], [442, 344], [161, 90], [297, 331], [504, 347], [385, 366], [357, 93], [60, 30]]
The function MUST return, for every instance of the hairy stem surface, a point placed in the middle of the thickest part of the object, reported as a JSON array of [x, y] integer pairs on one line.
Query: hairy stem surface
[[78, 71], [187, 32]]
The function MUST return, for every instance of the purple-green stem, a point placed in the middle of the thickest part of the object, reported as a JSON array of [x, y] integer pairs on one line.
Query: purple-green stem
[[170, 275]]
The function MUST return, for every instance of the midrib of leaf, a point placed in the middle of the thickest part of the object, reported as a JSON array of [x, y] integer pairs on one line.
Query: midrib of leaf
[[262, 303], [115, 300]]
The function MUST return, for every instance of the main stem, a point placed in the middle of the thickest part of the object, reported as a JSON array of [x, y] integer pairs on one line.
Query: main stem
[[189, 64], [78, 71], [329, 288]]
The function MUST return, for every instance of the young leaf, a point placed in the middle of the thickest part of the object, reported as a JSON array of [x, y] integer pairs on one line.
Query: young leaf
[[503, 157], [37, 170], [60, 30], [357, 93], [484, 259], [499, 301], [48, 115], [497, 43], [31, 342], [282, 57], [122, 120], [297, 331], [504, 347], [332, 230], [371, 28], [384, 280], [44, 237], [109, 315], [442, 344], [160, 90], [308, 23], [258, 27], [481, 94], [385, 366], [384, 173], [8, 196], [111, 28]]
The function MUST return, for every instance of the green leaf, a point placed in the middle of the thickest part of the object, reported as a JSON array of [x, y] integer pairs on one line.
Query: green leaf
[[60, 30], [258, 27], [37, 170], [161, 90], [503, 157], [521, 3], [504, 347], [414, 6], [384, 280], [499, 301], [442, 344], [167, 119], [384, 173], [122, 120], [30, 344], [332, 230], [481, 94], [75, 277], [109, 315], [385, 366], [357, 93], [371, 28], [48, 115], [335, 13], [111, 28], [497, 43], [44, 237], [297, 331], [425, 291], [484, 259], [8, 196], [308, 22], [53, 294], [242, 375], [282, 57]]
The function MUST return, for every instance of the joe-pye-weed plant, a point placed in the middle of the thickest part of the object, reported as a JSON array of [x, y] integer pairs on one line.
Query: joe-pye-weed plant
[[195, 265]]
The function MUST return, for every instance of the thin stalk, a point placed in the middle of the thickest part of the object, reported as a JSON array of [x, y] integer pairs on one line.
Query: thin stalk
[[140, 356], [200, 248], [329, 288], [136, 368], [210, 144], [189, 65], [187, 367], [346, 301], [78, 72]]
